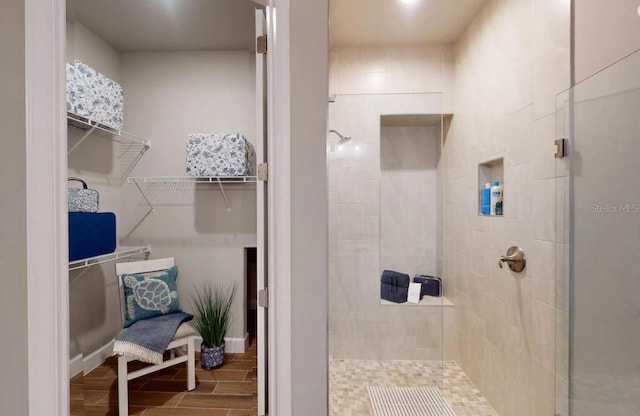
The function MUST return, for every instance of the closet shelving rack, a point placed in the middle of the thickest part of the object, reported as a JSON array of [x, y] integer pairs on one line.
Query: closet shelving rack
[[130, 151], [131, 147], [221, 181], [120, 253]]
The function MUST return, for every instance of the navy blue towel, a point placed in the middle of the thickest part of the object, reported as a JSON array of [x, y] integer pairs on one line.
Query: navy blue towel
[[431, 285], [394, 286]]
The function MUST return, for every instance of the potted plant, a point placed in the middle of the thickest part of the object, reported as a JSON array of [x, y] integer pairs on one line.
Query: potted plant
[[212, 316]]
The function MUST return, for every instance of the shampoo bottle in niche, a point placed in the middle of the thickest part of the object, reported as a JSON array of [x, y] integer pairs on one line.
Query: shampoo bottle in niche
[[496, 198], [486, 199]]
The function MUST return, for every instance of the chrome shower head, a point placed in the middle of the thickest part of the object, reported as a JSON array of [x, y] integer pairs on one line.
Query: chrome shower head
[[343, 139]]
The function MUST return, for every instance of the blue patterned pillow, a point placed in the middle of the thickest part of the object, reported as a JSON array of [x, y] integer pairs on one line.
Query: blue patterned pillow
[[150, 294]]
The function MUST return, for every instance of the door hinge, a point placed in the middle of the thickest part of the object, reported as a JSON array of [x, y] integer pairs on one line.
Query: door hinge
[[261, 44], [561, 148], [263, 298], [263, 172]]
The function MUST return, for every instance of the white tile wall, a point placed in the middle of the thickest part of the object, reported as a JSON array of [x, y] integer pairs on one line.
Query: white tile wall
[[382, 218], [509, 65]]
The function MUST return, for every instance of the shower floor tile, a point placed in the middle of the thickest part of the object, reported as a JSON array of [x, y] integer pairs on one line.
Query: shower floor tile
[[349, 379]]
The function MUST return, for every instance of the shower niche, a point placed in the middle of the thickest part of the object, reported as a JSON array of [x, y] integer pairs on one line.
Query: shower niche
[[488, 173], [410, 214], [385, 212]]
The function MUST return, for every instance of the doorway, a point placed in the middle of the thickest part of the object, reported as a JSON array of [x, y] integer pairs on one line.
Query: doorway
[[183, 69]]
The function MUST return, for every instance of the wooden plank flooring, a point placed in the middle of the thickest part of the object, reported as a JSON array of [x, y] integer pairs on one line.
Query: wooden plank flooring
[[230, 390]]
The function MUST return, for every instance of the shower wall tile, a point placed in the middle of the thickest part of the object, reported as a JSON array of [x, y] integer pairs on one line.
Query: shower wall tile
[[544, 209], [476, 295], [542, 268], [406, 69], [494, 374], [551, 32], [518, 354], [520, 129], [544, 166], [544, 325], [477, 335], [519, 303], [518, 399], [350, 222], [496, 278], [543, 381], [510, 64], [519, 188], [551, 75], [494, 318]]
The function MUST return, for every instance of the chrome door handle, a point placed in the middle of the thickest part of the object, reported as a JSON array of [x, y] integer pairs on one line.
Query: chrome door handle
[[515, 259]]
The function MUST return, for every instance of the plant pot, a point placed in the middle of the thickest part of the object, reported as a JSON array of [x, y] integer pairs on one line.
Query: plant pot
[[211, 357]]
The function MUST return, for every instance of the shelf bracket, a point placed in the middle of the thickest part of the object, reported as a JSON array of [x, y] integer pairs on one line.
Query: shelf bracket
[[132, 164], [224, 195], [79, 142], [146, 198], [144, 217]]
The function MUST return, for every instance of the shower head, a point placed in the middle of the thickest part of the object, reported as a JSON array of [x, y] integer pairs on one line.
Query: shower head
[[343, 139]]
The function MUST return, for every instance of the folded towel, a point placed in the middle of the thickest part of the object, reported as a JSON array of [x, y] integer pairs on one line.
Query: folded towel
[[394, 286], [147, 340]]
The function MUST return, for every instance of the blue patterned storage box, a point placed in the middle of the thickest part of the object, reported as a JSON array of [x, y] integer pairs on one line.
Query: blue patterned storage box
[[228, 154], [93, 96]]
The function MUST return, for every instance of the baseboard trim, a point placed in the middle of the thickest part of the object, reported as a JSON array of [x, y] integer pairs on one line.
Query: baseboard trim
[[75, 366], [96, 358], [231, 345]]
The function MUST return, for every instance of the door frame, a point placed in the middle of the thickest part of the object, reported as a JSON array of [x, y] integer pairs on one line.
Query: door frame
[[47, 241], [46, 173]]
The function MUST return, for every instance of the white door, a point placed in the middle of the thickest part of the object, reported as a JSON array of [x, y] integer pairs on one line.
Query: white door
[[261, 199]]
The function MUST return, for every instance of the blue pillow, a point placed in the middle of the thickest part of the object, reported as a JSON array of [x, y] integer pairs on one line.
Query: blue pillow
[[150, 294]]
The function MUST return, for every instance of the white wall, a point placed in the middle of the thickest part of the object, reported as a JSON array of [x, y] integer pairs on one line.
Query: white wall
[[13, 203], [86, 46], [308, 31], [169, 95], [510, 64]]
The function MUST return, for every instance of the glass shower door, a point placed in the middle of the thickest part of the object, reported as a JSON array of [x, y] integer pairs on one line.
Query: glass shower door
[[598, 228]]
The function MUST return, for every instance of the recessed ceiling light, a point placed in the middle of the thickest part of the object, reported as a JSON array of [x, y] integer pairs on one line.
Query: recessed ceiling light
[[407, 1]]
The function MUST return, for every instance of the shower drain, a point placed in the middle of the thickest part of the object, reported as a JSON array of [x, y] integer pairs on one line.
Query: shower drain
[[408, 401]]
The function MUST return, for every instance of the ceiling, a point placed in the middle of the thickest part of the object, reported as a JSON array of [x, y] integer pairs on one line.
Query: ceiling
[[397, 22], [165, 25]]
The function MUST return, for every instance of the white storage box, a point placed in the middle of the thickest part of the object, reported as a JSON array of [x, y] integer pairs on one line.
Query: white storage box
[[229, 154], [93, 96]]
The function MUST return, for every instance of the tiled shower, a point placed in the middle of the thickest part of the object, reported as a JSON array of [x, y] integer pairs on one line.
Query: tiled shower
[[383, 215], [560, 337]]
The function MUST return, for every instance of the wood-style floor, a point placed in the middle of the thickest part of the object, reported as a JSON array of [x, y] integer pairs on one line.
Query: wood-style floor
[[230, 390]]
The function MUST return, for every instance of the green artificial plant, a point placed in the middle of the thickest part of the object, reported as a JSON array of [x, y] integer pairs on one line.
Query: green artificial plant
[[212, 311]]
